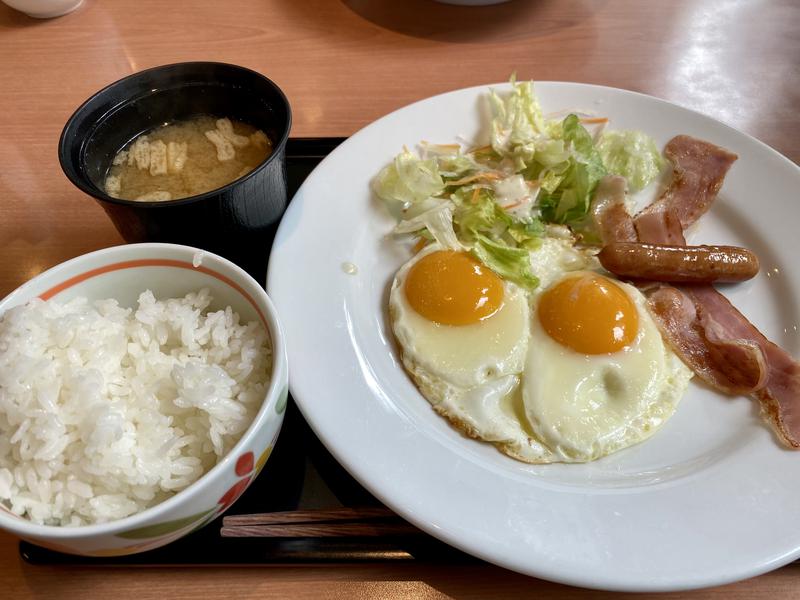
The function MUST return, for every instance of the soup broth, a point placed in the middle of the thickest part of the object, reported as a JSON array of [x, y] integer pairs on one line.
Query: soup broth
[[185, 159]]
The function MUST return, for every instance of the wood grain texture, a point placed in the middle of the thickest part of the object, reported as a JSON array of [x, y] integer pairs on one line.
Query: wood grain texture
[[344, 64], [334, 515], [322, 530]]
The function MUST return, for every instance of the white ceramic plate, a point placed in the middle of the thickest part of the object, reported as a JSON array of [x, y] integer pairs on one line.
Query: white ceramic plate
[[710, 499]]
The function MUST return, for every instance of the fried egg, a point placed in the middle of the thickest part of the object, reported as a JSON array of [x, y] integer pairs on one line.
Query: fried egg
[[548, 375], [598, 377], [459, 325], [463, 334]]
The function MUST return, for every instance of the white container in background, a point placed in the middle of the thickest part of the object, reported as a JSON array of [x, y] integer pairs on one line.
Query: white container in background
[[44, 9]]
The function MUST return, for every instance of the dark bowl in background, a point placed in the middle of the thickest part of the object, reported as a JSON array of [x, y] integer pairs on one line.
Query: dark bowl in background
[[234, 220]]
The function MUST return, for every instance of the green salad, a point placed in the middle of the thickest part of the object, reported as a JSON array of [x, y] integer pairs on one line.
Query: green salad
[[496, 200]]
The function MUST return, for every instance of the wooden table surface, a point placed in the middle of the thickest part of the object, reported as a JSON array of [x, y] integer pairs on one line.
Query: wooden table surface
[[342, 65]]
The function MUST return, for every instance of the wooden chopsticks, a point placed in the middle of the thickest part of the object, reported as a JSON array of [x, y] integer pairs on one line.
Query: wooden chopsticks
[[337, 522]]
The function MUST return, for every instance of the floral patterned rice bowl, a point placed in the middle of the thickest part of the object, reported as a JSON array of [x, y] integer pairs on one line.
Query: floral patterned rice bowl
[[169, 270]]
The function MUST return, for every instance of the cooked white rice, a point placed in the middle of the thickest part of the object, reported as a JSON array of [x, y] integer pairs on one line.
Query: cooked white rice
[[105, 411]]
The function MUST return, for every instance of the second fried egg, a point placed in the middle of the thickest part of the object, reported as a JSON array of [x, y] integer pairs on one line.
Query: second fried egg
[[598, 376]]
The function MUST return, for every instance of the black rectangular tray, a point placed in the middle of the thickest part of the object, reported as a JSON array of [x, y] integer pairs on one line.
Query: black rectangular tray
[[300, 475]]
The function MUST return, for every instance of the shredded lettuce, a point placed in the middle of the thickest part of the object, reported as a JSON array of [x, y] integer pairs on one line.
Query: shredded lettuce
[[409, 179], [633, 155], [551, 153], [527, 234], [509, 263], [495, 200], [482, 218], [478, 213], [516, 120], [569, 201], [452, 164], [520, 131], [437, 221]]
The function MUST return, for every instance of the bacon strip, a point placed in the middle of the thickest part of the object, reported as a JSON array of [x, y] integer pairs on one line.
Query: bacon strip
[[780, 392], [711, 336], [727, 362], [698, 169], [778, 398], [659, 227]]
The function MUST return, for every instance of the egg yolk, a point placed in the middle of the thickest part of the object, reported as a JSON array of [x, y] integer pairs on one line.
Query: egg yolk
[[590, 314], [453, 288]]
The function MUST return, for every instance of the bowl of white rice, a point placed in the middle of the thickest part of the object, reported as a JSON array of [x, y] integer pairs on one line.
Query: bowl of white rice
[[142, 389]]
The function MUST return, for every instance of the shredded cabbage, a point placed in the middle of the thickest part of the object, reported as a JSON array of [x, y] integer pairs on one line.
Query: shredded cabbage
[[510, 263], [569, 201], [409, 179], [517, 123], [633, 155], [495, 200], [438, 221]]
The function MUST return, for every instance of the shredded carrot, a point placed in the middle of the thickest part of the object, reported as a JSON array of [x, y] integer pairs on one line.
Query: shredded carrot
[[480, 149], [475, 193], [487, 175], [512, 205], [594, 120], [421, 243]]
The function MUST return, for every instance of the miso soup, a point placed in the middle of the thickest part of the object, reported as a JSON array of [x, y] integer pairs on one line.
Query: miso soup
[[186, 158]]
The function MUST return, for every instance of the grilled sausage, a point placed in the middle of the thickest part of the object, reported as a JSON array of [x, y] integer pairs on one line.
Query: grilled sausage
[[684, 264]]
